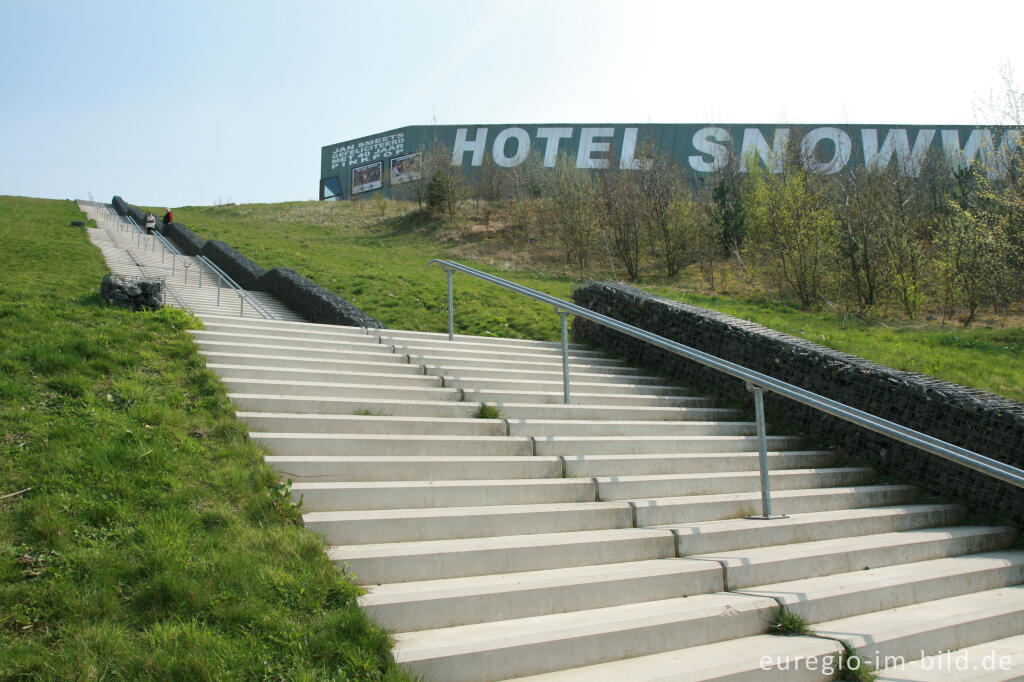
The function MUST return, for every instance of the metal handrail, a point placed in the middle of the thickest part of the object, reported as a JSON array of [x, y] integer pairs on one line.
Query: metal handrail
[[756, 382], [242, 293]]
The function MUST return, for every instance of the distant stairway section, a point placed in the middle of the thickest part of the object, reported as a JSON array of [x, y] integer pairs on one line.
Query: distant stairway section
[[189, 283], [502, 534]]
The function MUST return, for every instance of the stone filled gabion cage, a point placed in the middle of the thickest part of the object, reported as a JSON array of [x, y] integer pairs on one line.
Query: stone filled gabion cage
[[136, 293], [983, 422]]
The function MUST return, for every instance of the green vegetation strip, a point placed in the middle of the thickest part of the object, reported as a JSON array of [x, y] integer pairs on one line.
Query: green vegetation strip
[[141, 534], [988, 359], [376, 258]]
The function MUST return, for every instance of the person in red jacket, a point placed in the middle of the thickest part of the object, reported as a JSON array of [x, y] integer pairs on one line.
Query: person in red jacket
[[168, 218]]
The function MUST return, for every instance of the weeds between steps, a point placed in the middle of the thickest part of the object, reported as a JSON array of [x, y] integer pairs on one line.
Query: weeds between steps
[[788, 624], [363, 412], [487, 412], [851, 667]]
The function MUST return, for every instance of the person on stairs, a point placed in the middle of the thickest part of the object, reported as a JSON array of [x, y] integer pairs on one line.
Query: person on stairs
[[150, 222], [168, 218]]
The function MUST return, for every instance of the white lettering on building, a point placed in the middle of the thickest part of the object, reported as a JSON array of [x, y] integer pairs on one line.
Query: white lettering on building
[[628, 160], [553, 136], [711, 142], [522, 139], [896, 142], [476, 146], [754, 144], [841, 149], [590, 146]]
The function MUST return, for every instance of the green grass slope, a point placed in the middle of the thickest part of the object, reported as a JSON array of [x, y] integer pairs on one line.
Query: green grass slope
[[379, 263], [141, 535]]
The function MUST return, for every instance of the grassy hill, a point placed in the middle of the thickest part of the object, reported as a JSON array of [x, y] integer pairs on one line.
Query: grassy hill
[[141, 534], [376, 255]]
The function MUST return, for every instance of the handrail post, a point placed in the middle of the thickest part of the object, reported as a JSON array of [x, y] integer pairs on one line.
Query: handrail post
[[451, 309], [564, 314], [762, 440], [219, 282]]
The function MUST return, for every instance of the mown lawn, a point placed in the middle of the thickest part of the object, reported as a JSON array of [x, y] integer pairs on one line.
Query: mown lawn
[[376, 255], [141, 535], [989, 359]]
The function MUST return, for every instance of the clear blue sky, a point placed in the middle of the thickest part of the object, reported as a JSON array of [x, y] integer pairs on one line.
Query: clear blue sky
[[176, 103]]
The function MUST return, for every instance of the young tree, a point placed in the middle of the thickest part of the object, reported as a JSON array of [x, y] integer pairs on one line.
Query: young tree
[[622, 213], [793, 224], [573, 207]]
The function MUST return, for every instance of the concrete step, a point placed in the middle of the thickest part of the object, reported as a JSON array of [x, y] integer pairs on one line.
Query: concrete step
[[436, 559], [286, 325], [678, 485], [274, 329], [387, 365], [760, 658], [442, 336], [450, 523], [296, 341], [526, 410], [763, 565], [384, 445], [921, 630], [327, 389], [485, 345], [450, 602], [272, 373], [497, 650], [680, 510], [609, 428], [497, 351], [550, 374], [993, 661], [410, 525], [368, 495], [369, 353], [650, 445], [734, 534], [580, 398], [415, 468], [270, 402], [435, 336], [277, 422], [582, 386], [438, 360], [842, 595], [638, 465]]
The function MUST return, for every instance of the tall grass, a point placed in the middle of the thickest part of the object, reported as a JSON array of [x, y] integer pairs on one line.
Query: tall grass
[[141, 535]]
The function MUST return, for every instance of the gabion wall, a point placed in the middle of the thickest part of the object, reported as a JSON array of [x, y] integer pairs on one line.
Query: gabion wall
[[312, 301], [185, 239], [983, 422], [236, 265]]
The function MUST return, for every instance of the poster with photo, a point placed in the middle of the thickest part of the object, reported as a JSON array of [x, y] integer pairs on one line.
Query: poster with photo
[[366, 178], [405, 168]]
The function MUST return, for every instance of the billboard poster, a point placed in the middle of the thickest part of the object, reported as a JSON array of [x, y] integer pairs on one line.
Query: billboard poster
[[365, 178], [698, 149], [405, 168]]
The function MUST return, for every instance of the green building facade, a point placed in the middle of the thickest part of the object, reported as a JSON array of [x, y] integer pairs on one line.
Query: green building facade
[[377, 163]]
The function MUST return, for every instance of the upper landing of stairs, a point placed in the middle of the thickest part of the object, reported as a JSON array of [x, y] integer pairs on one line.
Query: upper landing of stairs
[[188, 283]]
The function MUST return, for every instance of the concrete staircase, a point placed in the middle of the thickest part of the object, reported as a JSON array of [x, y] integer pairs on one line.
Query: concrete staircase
[[606, 539], [188, 282]]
